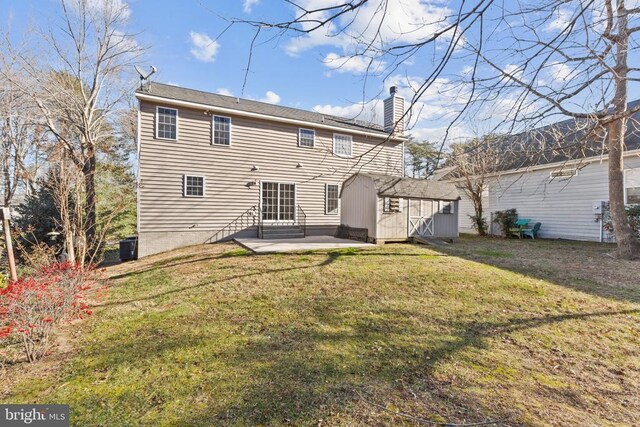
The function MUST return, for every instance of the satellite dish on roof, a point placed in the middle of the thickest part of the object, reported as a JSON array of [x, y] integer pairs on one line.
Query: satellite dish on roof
[[145, 76]]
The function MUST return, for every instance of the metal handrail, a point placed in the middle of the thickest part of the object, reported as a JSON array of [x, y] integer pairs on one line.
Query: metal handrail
[[304, 219], [245, 220]]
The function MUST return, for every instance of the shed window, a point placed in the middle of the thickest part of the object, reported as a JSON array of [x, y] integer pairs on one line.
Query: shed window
[[193, 186], [342, 145], [221, 130], [166, 123], [446, 207], [332, 199], [306, 138], [632, 186], [391, 204]]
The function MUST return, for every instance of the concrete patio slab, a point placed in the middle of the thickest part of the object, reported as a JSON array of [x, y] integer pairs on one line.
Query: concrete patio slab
[[310, 243]]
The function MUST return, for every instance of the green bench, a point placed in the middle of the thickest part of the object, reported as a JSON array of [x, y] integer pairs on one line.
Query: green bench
[[518, 227]]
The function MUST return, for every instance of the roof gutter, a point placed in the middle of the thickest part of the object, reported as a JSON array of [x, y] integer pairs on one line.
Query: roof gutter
[[160, 99]]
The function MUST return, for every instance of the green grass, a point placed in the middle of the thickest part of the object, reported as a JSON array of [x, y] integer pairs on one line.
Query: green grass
[[216, 336]]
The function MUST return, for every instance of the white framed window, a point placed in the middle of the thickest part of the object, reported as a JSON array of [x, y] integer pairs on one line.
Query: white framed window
[[193, 186], [306, 138], [446, 207], [166, 123], [391, 205], [221, 130], [331, 199], [632, 186], [342, 145]]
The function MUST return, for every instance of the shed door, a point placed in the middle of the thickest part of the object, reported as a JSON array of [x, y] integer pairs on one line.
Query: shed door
[[421, 217]]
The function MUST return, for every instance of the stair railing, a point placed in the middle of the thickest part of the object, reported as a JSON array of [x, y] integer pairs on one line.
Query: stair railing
[[249, 218]]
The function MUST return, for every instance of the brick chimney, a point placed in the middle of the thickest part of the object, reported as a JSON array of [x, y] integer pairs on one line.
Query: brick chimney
[[393, 112]]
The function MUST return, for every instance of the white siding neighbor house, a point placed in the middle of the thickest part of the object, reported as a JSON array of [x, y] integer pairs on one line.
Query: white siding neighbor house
[[393, 208], [214, 167], [567, 191]]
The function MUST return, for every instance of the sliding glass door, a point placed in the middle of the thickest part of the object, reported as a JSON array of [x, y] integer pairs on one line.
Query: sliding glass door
[[278, 201]]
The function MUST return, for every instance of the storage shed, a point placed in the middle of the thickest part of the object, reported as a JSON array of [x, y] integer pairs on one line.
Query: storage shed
[[394, 208]]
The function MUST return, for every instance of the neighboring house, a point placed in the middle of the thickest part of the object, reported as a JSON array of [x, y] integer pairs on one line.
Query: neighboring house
[[213, 167], [567, 190], [393, 208]]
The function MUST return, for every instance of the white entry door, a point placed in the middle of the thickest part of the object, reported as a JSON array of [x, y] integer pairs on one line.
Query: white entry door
[[421, 217]]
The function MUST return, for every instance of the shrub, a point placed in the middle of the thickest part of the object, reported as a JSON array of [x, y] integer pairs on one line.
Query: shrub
[[633, 213], [479, 224], [31, 306], [506, 220]]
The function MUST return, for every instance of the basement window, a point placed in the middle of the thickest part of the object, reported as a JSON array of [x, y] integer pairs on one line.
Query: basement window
[[391, 204], [193, 186]]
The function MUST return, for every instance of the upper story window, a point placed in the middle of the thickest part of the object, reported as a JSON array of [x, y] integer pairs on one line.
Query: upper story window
[[632, 186], [342, 145], [306, 138], [332, 199], [166, 123], [193, 186], [221, 130]]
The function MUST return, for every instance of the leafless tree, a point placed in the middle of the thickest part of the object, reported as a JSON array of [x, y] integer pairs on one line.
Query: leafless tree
[[77, 70], [472, 165], [527, 63], [20, 138]]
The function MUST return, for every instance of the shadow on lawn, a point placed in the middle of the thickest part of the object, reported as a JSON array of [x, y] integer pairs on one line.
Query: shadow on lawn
[[299, 377], [508, 258]]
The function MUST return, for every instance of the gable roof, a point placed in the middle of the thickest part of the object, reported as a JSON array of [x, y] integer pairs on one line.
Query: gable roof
[[397, 186], [563, 141], [255, 107]]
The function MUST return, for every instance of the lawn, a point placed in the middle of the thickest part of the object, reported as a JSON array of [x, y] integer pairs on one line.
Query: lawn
[[521, 333]]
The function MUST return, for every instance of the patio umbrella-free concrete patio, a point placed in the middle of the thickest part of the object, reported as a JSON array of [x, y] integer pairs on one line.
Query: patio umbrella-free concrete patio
[[310, 243]]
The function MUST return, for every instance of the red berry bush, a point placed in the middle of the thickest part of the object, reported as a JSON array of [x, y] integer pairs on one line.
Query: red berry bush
[[31, 306]]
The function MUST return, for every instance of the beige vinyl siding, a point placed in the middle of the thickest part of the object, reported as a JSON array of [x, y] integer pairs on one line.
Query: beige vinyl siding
[[564, 207], [271, 147]]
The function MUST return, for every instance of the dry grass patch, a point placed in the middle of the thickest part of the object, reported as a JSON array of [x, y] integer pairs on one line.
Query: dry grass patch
[[211, 335]]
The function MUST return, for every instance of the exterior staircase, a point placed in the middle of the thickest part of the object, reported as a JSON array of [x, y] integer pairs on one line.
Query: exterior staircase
[[282, 231]]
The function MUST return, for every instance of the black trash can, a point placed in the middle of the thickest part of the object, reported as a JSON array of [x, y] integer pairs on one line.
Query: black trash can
[[129, 249]]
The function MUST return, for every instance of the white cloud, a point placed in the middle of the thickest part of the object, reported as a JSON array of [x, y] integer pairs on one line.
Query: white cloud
[[247, 5], [204, 48], [352, 64], [560, 20], [559, 72], [224, 91], [271, 97], [102, 6], [407, 21]]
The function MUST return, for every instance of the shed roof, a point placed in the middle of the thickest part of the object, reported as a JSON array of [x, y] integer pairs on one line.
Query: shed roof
[[397, 186], [250, 106]]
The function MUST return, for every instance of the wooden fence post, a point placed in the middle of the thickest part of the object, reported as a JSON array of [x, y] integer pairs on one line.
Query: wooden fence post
[[6, 215]]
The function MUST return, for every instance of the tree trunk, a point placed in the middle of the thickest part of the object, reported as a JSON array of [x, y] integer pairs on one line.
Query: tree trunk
[[88, 171], [628, 246]]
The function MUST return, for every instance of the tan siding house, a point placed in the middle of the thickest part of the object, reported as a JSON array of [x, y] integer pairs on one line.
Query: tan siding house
[[212, 167]]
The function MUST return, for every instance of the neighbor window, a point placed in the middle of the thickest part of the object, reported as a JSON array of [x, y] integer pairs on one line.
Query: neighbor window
[[332, 198], [632, 186], [166, 123], [221, 130], [342, 145], [564, 173], [306, 138], [391, 204], [193, 186]]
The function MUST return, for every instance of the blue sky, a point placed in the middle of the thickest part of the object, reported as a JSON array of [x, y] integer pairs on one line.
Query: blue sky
[[305, 72]]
